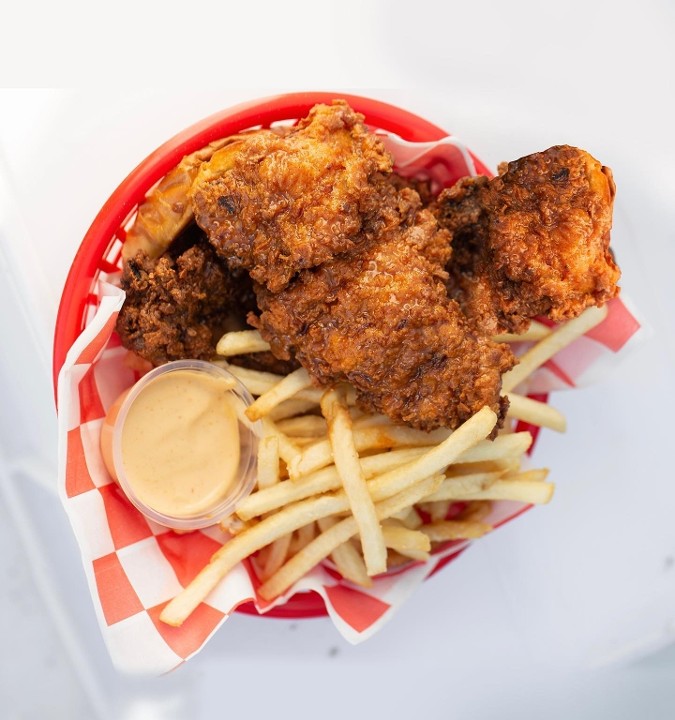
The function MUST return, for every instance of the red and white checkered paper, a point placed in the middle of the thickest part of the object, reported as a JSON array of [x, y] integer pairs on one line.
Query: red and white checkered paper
[[134, 566]]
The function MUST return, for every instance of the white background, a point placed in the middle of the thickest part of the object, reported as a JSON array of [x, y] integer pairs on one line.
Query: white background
[[568, 612]]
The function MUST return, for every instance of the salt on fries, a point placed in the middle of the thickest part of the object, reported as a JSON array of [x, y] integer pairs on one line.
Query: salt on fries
[[330, 476]]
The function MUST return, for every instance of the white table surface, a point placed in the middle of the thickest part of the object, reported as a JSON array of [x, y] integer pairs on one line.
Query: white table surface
[[567, 612]]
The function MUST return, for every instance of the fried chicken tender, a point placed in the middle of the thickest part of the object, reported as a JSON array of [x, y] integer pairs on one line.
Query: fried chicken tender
[[175, 308], [277, 205], [532, 241], [379, 317]]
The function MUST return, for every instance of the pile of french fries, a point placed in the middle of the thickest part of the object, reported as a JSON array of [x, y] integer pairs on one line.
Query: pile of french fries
[[335, 484]]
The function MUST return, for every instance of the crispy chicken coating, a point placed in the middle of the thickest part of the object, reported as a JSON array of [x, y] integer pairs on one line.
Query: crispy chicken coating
[[277, 205], [380, 318], [175, 308], [352, 277], [532, 241]]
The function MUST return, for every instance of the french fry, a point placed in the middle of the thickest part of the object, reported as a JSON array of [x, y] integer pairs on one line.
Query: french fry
[[324, 544], [268, 461], [536, 331], [503, 451], [302, 537], [304, 426], [535, 475], [476, 510], [535, 412], [246, 543], [363, 421], [284, 390], [291, 408], [258, 383], [235, 525], [439, 457], [411, 519], [303, 442], [241, 343], [295, 516], [502, 447], [438, 509], [396, 559], [393, 520], [320, 454], [288, 450], [347, 558], [528, 486], [278, 552], [334, 409], [456, 488], [455, 530], [507, 464], [397, 482], [324, 480], [533, 492], [260, 559], [508, 427], [406, 541], [545, 349]]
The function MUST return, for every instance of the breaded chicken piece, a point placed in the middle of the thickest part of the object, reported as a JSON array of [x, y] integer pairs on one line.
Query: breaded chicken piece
[[532, 241], [178, 306], [277, 205], [379, 317], [166, 211], [175, 308]]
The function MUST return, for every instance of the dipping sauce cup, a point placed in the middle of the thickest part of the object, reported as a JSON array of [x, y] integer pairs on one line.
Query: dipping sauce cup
[[181, 446]]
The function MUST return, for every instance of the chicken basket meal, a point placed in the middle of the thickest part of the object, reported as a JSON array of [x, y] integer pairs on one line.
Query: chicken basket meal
[[379, 329]]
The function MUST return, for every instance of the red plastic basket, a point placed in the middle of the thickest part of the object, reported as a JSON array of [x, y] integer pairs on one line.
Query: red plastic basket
[[99, 251]]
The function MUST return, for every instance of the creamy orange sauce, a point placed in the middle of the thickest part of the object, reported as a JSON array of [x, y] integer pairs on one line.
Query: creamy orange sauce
[[107, 432], [180, 443]]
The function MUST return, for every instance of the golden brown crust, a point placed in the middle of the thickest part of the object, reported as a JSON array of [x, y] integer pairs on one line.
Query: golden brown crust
[[379, 317], [174, 308], [167, 209], [532, 241], [278, 205], [352, 271]]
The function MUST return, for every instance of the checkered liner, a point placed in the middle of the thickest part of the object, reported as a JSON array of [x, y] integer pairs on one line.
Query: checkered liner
[[134, 567]]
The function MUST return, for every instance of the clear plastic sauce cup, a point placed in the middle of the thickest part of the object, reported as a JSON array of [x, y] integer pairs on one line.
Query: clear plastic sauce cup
[[180, 445]]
